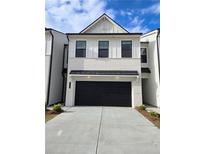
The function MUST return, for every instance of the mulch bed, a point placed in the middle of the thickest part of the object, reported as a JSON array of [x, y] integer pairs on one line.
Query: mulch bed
[[154, 120], [50, 114]]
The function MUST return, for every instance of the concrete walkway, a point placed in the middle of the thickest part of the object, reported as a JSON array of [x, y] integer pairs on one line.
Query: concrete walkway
[[101, 130]]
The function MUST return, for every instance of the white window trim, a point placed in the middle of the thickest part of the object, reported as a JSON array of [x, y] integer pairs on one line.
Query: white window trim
[[109, 49], [85, 48], [131, 49]]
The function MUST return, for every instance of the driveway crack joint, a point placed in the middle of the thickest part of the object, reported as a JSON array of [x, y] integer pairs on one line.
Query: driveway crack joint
[[96, 150]]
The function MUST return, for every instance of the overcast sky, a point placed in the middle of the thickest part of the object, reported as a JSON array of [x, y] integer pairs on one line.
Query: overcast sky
[[74, 15]]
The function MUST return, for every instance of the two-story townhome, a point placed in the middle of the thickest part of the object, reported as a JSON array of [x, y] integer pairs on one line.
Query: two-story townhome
[[104, 66], [150, 62], [55, 48]]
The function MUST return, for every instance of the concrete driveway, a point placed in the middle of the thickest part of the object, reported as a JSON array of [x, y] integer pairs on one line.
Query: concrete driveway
[[101, 130]]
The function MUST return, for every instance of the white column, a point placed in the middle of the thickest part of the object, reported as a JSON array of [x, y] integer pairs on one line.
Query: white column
[[136, 93], [70, 92]]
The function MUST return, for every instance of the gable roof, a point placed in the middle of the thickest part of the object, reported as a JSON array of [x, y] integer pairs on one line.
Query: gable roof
[[98, 19]]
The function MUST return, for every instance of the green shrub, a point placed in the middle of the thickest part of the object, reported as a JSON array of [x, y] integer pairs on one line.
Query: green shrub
[[154, 114], [57, 107], [142, 107]]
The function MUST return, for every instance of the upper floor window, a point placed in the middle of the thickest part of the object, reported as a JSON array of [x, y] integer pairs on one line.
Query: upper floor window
[[103, 49], [126, 47], [80, 49], [143, 55]]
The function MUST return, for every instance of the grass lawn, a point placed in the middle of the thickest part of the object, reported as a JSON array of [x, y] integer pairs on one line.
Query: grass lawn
[[154, 119], [49, 115]]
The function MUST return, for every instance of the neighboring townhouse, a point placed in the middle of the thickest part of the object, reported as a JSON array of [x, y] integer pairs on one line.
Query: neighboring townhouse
[[104, 66], [55, 49], [150, 61]]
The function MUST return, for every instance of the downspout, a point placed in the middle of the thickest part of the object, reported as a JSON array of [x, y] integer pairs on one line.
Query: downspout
[[158, 54], [50, 69], [67, 38]]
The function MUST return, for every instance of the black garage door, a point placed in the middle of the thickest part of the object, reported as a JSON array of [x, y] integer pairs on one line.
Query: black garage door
[[103, 93]]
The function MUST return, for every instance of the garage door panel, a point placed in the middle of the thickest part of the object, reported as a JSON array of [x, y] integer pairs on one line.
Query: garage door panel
[[103, 93]]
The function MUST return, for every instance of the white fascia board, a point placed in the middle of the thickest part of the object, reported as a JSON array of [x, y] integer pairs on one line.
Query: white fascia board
[[91, 25], [116, 24], [149, 33]]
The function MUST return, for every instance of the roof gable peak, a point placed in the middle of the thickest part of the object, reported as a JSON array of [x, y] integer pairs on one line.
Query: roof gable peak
[[104, 24]]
